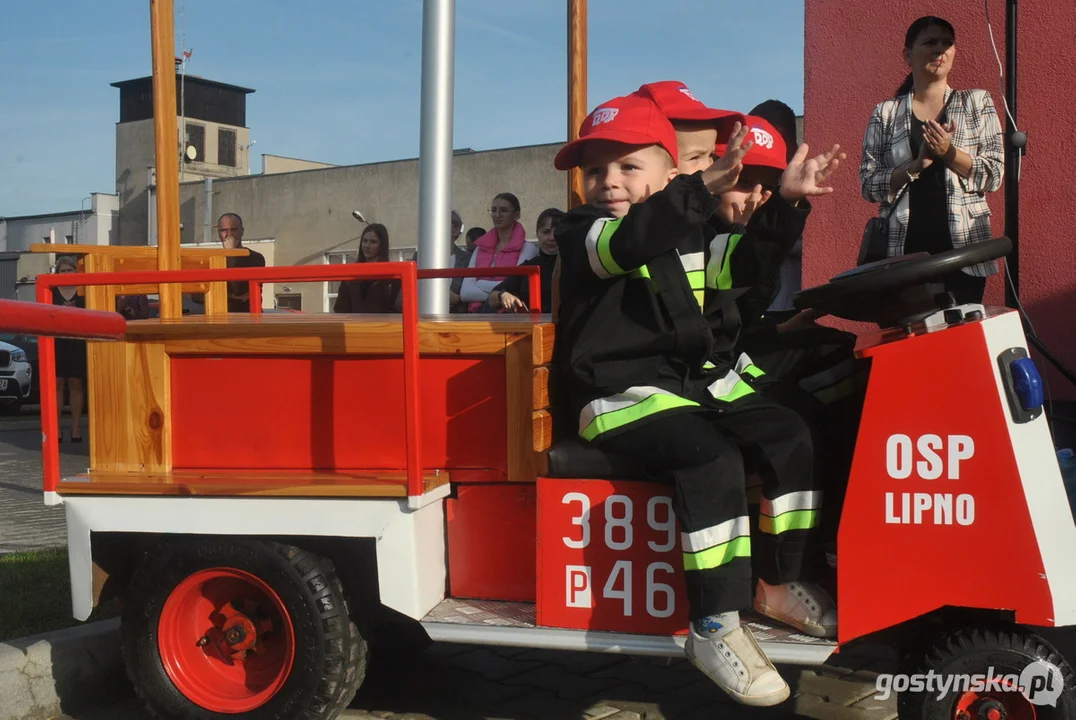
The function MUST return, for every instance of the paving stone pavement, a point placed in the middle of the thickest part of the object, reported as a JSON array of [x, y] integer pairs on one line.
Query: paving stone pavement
[[450, 682], [25, 522]]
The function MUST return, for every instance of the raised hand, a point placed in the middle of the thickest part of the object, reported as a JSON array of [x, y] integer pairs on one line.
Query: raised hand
[[757, 198], [723, 175], [804, 177]]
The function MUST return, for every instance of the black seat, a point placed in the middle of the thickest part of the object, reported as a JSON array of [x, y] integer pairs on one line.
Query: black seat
[[573, 458]]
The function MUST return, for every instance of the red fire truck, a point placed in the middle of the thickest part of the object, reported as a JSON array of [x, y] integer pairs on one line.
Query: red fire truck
[[266, 492]]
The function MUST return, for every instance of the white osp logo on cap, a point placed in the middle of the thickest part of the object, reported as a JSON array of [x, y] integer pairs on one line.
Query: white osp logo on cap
[[762, 138], [688, 93], [604, 115]]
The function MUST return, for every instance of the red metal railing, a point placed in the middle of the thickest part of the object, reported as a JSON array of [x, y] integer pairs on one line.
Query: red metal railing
[[534, 282], [534, 279], [102, 325], [33, 318]]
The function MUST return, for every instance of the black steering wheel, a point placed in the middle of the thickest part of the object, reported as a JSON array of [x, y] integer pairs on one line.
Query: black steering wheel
[[894, 289]]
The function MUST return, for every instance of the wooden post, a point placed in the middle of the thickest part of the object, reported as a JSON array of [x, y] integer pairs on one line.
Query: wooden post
[[577, 88], [162, 22], [577, 113]]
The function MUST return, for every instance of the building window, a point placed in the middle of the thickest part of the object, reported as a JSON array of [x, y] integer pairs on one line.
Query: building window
[[196, 139], [292, 301], [226, 147], [69, 239], [332, 289]]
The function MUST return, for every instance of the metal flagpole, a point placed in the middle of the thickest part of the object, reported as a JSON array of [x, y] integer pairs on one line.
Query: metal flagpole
[[435, 151]]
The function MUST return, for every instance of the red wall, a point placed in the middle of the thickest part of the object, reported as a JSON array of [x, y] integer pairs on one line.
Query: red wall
[[853, 60]]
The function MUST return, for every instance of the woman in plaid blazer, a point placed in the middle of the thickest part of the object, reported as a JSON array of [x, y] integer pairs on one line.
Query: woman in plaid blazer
[[930, 155]]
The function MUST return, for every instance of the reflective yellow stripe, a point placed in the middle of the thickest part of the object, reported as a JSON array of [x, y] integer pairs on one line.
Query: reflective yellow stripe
[[601, 258], [725, 277], [800, 500], [795, 520], [718, 555], [754, 371], [729, 388], [618, 410]]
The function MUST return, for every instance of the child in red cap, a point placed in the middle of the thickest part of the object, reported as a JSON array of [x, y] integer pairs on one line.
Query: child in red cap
[[743, 260], [633, 360]]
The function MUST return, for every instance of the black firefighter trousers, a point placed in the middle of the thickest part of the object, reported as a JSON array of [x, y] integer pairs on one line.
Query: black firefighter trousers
[[702, 455], [814, 372]]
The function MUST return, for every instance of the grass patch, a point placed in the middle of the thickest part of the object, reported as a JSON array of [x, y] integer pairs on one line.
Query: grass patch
[[35, 594]]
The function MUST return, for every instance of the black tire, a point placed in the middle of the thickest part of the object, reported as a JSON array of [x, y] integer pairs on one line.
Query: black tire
[[330, 655], [974, 651]]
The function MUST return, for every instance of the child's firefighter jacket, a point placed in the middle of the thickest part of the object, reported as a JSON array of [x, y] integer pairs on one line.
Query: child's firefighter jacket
[[648, 305]]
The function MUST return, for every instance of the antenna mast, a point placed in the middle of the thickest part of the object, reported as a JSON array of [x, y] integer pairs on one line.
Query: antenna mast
[[183, 82]]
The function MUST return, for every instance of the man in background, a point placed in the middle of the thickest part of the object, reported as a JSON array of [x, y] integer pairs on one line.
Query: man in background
[[230, 232]]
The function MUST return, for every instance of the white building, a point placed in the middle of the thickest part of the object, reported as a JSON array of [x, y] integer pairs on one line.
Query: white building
[[95, 223]]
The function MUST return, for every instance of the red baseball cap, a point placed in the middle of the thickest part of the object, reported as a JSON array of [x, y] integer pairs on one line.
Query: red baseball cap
[[768, 150], [677, 102], [629, 119]]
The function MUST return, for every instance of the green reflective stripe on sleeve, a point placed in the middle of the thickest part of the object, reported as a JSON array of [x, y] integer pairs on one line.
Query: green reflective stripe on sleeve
[[724, 278], [697, 279], [643, 273], [754, 371], [619, 410], [718, 555], [700, 297], [741, 389], [604, 252], [708, 365], [794, 520]]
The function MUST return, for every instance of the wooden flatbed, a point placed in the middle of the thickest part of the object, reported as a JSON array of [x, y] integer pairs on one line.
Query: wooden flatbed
[[300, 405]]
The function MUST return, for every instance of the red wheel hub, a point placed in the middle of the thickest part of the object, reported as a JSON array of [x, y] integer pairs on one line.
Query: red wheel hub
[[226, 640], [1009, 704]]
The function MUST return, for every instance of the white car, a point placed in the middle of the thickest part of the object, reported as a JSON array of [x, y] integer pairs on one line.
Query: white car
[[15, 376]]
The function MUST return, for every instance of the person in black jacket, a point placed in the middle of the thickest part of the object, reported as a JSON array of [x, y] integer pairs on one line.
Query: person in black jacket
[[513, 294], [634, 355], [808, 367]]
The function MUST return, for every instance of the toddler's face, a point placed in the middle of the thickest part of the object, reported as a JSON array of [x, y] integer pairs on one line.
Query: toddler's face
[[617, 176], [696, 146]]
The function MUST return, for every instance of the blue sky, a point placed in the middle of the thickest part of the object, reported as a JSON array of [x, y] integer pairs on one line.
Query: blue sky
[[339, 80]]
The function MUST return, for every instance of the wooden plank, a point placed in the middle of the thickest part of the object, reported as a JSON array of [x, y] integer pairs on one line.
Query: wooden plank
[[193, 326], [144, 251], [540, 388], [270, 483], [542, 423], [519, 374], [216, 300], [347, 343], [107, 408], [149, 402], [543, 334], [106, 382], [100, 297]]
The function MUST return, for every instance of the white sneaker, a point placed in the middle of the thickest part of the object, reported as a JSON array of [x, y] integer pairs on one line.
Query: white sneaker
[[737, 664], [803, 605]]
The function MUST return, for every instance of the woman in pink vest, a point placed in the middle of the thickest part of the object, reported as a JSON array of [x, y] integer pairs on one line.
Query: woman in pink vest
[[505, 245]]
